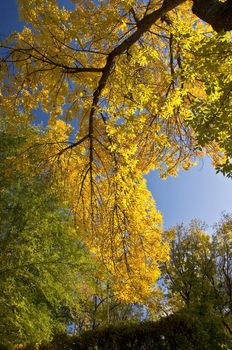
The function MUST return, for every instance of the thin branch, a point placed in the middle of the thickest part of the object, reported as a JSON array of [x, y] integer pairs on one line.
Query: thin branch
[[73, 144]]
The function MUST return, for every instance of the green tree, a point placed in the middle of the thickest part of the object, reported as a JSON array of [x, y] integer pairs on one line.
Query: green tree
[[222, 284], [44, 269], [103, 309], [198, 277]]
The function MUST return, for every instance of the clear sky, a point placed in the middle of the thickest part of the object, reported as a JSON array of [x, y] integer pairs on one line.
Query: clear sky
[[196, 193]]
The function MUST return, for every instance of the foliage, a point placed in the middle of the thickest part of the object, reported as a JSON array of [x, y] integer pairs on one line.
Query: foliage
[[197, 284], [198, 278], [209, 63], [170, 333], [127, 86], [222, 241], [42, 263], [102, 309]]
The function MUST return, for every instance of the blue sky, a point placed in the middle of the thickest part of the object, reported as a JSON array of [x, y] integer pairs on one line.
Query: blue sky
[[196, 193]]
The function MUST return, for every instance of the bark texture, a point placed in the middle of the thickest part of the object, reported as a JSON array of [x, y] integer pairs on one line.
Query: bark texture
[[216, 13]]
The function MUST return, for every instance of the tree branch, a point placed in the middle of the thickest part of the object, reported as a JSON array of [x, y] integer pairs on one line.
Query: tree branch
[[142, 27], [73, 145]]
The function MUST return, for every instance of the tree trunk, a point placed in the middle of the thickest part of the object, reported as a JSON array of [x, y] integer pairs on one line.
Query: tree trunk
[[216, 13]]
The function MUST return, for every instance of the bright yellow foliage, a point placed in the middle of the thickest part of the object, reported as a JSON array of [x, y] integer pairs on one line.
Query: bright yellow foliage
[[116, 107]]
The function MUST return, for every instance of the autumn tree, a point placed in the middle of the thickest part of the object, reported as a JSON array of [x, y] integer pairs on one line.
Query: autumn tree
[[128, 86]]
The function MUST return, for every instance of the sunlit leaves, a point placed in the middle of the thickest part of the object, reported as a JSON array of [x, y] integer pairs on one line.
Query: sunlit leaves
[[197, 279], [117, 108], [42, 263]]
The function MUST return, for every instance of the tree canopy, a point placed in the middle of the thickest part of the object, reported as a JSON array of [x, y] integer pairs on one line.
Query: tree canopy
[[127, 86], [42, 263], [196, 302], [197, 279]]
